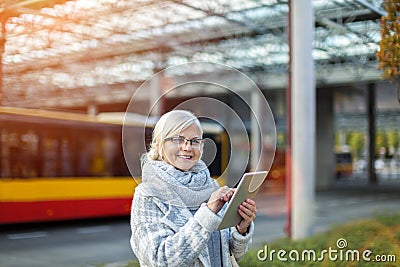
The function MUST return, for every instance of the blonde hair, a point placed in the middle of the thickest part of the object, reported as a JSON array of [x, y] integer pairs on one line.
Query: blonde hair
[[170, 124]]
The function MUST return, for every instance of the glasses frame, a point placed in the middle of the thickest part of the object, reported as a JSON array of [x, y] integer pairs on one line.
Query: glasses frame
[[176, 141]]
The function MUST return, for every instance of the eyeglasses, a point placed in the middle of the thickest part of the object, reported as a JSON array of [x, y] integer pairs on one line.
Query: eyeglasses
[[180, 140]]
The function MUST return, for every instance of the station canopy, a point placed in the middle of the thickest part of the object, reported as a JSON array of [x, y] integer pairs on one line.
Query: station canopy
[[70, 53]]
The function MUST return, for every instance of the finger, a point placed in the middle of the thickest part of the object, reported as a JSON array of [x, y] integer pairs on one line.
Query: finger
[[226, 193], [250, 201], [250, 213], [250, 205], [228, 196], [223, 190], [225, 197], [245, 216], [245, 209]]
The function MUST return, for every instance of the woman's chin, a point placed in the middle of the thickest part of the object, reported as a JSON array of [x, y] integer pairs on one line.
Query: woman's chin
[[185, 166]]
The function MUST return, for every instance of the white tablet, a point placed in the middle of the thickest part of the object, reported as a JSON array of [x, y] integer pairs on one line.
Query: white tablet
[[247, 188]]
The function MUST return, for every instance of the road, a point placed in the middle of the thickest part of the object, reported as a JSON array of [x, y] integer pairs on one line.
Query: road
[[78, 244], [94, 242]]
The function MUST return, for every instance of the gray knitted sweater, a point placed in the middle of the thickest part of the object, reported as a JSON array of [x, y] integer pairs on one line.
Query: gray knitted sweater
[[167, 234]]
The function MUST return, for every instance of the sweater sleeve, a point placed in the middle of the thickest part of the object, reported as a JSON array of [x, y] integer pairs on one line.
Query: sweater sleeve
[[239, 244], [157, 241]]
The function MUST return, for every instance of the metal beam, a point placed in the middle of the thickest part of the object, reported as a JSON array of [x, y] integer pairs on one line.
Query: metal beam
[[372, 7]]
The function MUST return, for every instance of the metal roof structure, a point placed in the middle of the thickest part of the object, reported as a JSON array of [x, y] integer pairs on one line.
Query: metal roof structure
[[76, 52]]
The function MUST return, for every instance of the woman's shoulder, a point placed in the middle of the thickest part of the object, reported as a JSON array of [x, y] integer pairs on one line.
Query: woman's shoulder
[[155, 192], [147, 190], [145, 197]]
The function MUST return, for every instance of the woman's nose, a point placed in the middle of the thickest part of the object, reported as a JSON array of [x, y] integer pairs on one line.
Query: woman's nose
[[187, 145]]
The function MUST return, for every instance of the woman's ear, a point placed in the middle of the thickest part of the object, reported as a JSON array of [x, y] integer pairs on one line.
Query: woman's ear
[[154, 152]]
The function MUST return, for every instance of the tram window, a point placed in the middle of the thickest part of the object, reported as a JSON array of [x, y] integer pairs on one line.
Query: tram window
[[134, 148], [343, 157], [109, 146], [97, 153], [30, 147], [116, 164], [19, 153], [90, 162], [119, 165], [66, 158], [50, 156], [343, 164]]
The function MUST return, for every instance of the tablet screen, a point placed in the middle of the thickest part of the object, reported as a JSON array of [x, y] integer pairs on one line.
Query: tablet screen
[[247, 188]]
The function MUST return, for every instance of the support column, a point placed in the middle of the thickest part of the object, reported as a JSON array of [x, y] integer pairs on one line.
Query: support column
[[303, 119], [325, 140], [92, 109], [155, 94], [255, 131], [372, 178]]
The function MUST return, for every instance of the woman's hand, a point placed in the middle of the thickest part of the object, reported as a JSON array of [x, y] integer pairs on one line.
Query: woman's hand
[[247, 211], [219, 197]]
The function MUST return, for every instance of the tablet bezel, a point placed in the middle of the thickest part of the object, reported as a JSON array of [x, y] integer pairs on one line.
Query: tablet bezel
[[231, 215]]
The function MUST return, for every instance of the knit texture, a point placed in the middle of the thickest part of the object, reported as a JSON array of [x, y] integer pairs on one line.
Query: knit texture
[[192, 187], [165, 233]]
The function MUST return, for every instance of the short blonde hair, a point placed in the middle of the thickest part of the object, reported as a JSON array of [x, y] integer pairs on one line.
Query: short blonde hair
[[170, 124]]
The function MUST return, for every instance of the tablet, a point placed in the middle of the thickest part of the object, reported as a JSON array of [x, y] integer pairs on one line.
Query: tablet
[[247, 188]]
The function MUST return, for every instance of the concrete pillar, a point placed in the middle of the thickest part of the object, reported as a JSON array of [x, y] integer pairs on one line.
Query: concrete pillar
[[371, 109], [155, 99], [303, 119], [325, 156], [92, 109], [255, 130]]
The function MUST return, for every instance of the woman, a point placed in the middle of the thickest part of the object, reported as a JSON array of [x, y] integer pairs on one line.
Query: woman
[[176, 208]]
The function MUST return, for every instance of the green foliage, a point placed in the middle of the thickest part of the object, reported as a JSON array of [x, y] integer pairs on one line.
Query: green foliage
[[281, 139], [388, 55], [381, 141], [337, 139], [356, 142], [381, 235], [389, 219], [132, 264], [393, 138]]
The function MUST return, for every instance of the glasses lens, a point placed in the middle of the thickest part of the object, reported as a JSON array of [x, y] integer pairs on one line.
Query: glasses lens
[[195, 142], [180, 140]]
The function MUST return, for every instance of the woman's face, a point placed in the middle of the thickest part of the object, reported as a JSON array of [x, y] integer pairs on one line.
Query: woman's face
[[183, 155]]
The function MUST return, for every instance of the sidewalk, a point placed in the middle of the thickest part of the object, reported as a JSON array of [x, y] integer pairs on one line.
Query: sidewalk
[[339, 205], [273, 203]]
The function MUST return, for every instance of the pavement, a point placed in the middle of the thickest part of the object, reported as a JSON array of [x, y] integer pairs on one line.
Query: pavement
[[340, 204]]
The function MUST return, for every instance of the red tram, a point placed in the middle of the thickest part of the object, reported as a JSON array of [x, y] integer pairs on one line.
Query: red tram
[[59, 166], [63, 166]]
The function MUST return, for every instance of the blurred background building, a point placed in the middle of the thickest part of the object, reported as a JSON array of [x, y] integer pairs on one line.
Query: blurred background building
[[90, 57]]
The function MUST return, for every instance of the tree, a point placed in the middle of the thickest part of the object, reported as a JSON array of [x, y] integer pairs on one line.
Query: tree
[[381, 141], [392, 140], [389, 54], [357, 143]]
